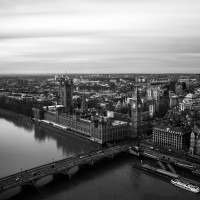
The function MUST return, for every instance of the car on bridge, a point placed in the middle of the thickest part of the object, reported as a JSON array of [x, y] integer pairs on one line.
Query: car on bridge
[[34, 174], [53, 166], [17, 179]]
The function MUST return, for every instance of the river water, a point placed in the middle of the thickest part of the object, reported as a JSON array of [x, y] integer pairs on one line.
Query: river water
[[23, 146]]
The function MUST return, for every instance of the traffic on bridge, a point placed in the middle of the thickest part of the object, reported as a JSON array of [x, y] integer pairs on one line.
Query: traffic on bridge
[[29, 177]]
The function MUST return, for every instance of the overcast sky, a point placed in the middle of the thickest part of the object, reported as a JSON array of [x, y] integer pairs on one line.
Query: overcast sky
[[99, 36]]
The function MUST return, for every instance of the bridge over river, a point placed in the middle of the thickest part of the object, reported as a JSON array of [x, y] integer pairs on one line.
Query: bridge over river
[[29, 177]]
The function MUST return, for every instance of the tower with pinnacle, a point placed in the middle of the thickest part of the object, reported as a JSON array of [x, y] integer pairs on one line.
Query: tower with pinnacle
[[136, 109], [84, 104], [66, 92]]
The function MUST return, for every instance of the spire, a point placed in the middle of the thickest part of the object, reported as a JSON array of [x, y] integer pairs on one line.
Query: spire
[[136, 95], [124, 104], [118, 106]]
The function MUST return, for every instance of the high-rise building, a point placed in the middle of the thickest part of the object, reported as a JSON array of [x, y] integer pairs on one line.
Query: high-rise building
[[172, 86], [21, 81], [180, 88], [198, 78]]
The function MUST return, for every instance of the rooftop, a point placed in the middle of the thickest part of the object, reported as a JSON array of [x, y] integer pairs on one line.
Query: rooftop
[[117, 122], [172, 129]]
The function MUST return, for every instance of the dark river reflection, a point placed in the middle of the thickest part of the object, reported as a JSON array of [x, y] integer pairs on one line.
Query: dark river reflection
[[23, 146]]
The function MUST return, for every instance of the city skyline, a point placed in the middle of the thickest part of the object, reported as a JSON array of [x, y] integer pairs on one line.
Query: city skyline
[[87, 36]]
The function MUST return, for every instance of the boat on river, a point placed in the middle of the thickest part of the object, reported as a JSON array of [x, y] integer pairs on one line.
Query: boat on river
[[185, 185]]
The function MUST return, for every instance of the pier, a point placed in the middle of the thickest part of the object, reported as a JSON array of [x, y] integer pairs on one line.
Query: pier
[[164, 174]]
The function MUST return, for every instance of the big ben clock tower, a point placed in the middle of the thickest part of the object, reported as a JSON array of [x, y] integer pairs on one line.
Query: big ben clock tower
[[136, 109]]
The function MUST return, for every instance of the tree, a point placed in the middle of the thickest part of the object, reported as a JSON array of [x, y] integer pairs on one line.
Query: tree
[[23, 107]]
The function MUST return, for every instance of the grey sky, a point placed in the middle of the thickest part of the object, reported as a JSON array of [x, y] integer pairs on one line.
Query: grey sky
[[99, 36]]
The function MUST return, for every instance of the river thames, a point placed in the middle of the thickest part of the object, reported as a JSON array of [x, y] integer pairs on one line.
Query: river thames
[[23, 146]]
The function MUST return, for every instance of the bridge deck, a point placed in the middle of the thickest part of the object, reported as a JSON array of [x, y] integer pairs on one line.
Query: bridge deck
[[61, 166]]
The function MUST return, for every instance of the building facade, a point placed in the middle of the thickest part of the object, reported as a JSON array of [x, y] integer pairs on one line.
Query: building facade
[[153, 95], [96, 128], [195, 141], [172, 137]]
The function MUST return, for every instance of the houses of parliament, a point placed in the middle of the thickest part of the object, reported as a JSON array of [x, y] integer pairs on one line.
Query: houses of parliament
[[91, 125]]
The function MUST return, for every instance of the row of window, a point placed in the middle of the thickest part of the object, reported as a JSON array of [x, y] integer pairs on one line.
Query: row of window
[[173, 145], [109, 134], [114, 135], [166, 134]]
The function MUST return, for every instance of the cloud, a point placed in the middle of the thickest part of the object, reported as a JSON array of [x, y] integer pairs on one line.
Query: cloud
[[140, 35]]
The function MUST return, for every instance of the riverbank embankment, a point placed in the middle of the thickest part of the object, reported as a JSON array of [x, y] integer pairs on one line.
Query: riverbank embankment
[[16, 115]]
